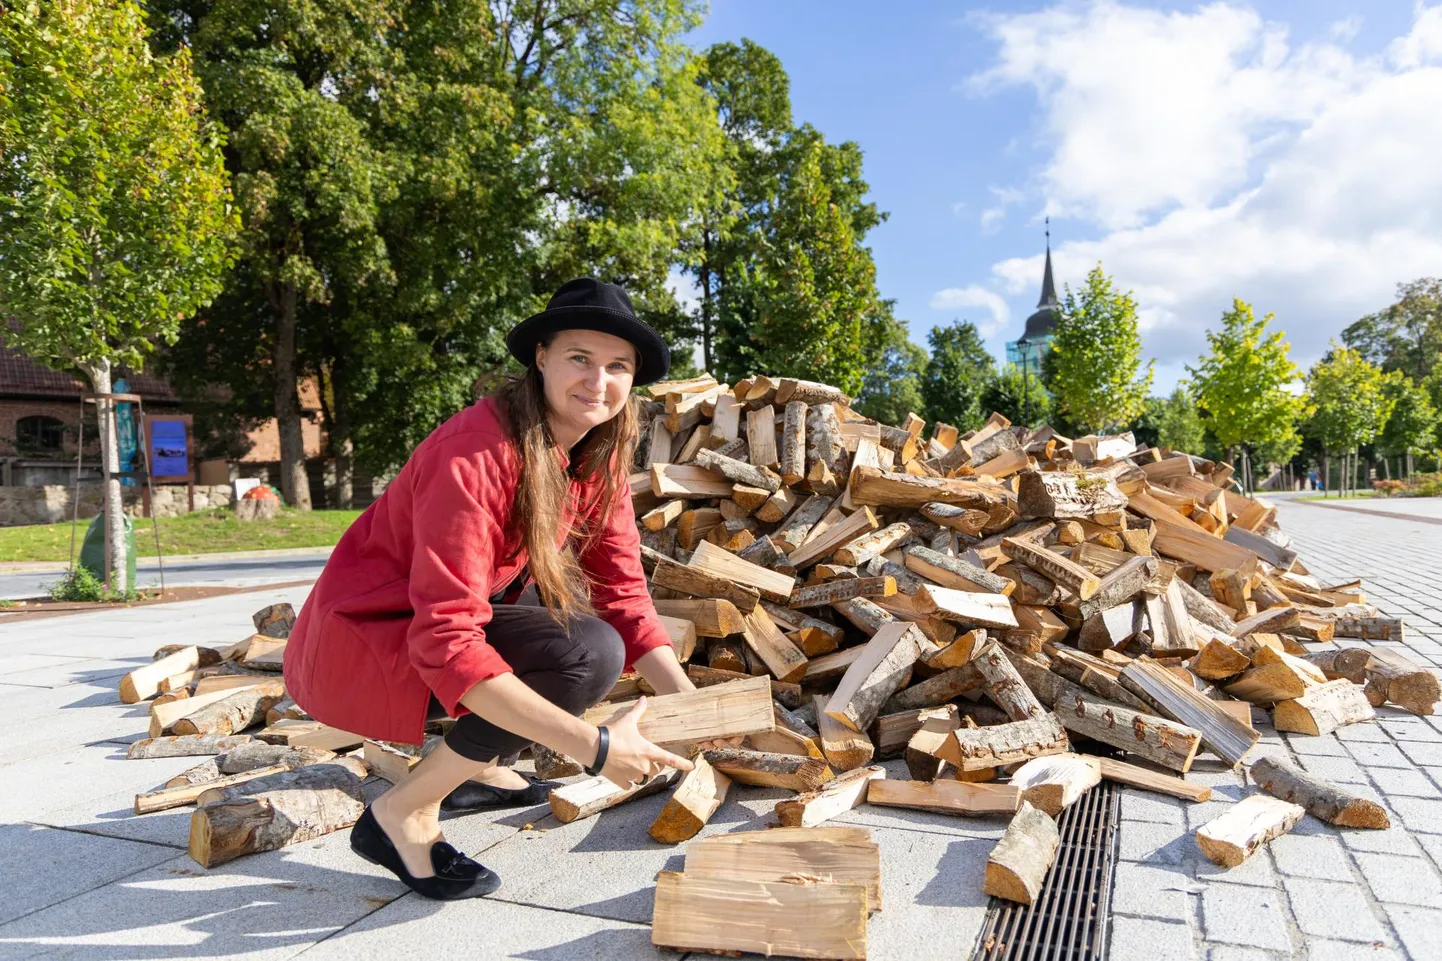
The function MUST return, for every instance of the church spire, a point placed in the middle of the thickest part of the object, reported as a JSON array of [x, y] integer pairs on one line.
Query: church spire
[[1048, 286]]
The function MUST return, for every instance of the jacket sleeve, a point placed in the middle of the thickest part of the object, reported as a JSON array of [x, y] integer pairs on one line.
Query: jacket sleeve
[[457, 530], [612, 562]]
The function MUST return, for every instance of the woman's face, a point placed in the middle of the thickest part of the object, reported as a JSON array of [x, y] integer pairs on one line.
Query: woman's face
[[587, 377]]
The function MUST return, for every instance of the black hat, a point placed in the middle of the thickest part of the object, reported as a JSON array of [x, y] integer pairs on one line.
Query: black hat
[[589, 304]]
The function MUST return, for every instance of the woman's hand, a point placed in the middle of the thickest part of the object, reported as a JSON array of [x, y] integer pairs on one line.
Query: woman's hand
[[631, 758]]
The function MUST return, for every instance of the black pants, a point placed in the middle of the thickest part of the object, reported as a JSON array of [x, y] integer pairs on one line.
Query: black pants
[[573, 667]]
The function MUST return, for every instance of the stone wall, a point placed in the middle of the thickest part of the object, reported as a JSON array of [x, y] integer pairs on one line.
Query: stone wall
[[52, 503]]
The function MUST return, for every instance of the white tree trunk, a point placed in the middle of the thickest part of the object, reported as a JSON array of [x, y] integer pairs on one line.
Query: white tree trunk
[[99, 374]]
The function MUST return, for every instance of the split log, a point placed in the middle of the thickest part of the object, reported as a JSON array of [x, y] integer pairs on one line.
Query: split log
[[724, 565], [842, 589], [693, 526], [739, 471], [233, 713], [936, 726], [1271, 679], [1204, 609], [726, 654], [189, 786], [276, 620], [726, 418], [797, 919], [688, 482], [691, 805], [698, 583], [975, 749], [1149, 780], [789, 390], [883, 668], [201, 773], [1323, 709], [838, 854], [249, 757], [144, 682], [1062, 495], [1279, 557], [1053, 784], [1235, 835], [1120, 585], [839, 795], [1005, 686], [583, 799], [794, 530], [712, 617], [1111, 628], [966, 607], [781, 657], [1218, 659], [309, 734], [793, 442], [844, 747], [1094, 675], [1322, 799], [760, 769], [959, 651], [1271, 620], [1069, 575], [385, 760], [1156, 739], [777, 506], [1198, 547], [872, 544], [301, 778], [1019, 863], [934, 690], [965, 520], [1391, 677], [820, 546], [824, 444], [227, 830], [1047, 685], [727, 710], [944, 796], [955, 573], [879, 488], [187, 745], [1222, 734]]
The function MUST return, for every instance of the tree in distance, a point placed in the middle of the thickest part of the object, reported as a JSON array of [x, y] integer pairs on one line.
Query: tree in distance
[[1352, 405], [1021, 401], [1172, 422], [1094, 368], [957, 376]]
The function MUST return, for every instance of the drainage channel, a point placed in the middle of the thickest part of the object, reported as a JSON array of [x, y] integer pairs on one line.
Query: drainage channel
[[1071, 915]]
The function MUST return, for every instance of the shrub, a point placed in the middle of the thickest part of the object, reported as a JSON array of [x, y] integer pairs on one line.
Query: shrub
[[81, 585], [1388, 488]]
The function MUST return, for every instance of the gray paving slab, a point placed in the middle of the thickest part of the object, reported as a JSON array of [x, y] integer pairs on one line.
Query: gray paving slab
[[31, 789], [1317, 856], [1144, 939], [1398, 880], [57, 865], [1329, 909], [1419, 930], [1246, 916]]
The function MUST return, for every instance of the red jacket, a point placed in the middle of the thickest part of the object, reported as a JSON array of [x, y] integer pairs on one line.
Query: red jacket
[[400, 610]]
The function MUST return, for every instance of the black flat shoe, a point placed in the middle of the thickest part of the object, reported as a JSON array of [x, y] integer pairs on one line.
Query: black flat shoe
[[457, 876], [471, 796]]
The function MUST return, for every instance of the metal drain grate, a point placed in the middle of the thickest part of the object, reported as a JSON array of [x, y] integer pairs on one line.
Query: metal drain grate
[[1069, 920]]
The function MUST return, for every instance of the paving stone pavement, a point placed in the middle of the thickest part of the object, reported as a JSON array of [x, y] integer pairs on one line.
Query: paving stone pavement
[[1318, 893], [86, 879]]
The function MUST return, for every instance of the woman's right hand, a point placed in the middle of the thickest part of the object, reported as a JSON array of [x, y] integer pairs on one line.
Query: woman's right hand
[[631, 758]]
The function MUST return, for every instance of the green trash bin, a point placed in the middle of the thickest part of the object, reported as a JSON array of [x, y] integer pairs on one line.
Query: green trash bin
[[92, 550]]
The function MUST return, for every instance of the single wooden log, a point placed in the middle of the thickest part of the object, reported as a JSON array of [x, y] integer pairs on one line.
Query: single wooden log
[[384, 759], [1222, 734], [1271, 620], [793, 442], [1053, 784], [1120, 585], [698, 796], [583, 799], [659, 517], [1061, 495], [842, 746], [1218, 659], [309, 734], [189, 788], [1201, 548], [959, 651], [839, 795], [936, 726], [1047, 685], [842, 589], [227, 830], [965, 520], [277, 620], [944, 796], [872, 544], [726, 418], [1269, 681], [727, 710], [838, 854], [739, 471], [233, 713], [1322, 799], [300, 778], [699, 583], [777, 506], [188, 745], [1005, 686], [879, 488], [935, 690], [688, 481], [966, 607], [1149, 780], [818, 636], [1235, 835], [144, 682], [761, 769], [820, 546], [974, 749], [955, 573], [725, 654], [1346, 662], [1229, 587], [1279, 557], [1019, 863], [249, 757], [1094, 675], [1111, 628], [201, 773], [722, 564], [1204, 609], [1392, 677], [824, 444], [1323, 709], [790, 390], [884, 666], [1370, 628], [1156, 739], [285, 708], [781, 657], [1069, 575], [713, 914], [794, 530], [712, 617], [693, 526]]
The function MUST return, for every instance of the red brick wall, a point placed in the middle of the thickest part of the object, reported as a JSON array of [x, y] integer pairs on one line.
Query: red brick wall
[[67, 412]]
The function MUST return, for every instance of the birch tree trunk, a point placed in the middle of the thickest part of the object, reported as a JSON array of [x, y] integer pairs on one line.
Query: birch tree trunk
[[99, 374]]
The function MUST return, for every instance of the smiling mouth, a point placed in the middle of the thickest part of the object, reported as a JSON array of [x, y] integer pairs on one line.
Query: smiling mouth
[[590, 403]]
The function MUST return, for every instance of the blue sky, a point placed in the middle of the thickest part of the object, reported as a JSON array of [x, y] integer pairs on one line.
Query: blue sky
[[1282, 152]]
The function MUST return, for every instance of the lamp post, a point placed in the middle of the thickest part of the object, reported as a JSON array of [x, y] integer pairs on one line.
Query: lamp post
[[1022, 346]]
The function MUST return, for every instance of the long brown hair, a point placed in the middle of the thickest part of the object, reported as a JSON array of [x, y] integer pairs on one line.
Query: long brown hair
[[605, 452]]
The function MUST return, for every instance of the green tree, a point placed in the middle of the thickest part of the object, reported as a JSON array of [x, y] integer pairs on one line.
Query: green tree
[[1020, 401], [892, 387], [1172, 422], [1407, 336], [1412, 427], [1352, 406], [1094, 367], [1243, 386], [957, 376], [115, 202]]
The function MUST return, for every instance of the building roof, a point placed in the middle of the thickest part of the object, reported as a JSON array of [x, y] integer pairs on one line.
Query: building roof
[[1042, 324], [19, 375]]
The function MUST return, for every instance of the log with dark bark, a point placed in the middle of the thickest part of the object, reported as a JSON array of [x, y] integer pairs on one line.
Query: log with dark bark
[[229, 829], [1322, 799]]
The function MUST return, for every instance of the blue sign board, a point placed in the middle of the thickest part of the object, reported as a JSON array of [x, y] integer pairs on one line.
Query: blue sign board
[[169, 456]]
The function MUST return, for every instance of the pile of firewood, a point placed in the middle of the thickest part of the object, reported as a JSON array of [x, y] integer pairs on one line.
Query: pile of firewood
[[1016, 614]]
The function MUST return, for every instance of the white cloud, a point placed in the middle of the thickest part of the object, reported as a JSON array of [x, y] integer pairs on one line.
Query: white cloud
[[992, 217], [1345, 29], [1215, 159], [959, 298]]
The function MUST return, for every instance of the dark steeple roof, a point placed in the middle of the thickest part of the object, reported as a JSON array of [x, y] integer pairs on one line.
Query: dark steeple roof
[[1041, 324]]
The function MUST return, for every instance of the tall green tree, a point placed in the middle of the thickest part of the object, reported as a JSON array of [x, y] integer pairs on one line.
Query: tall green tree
[[1022, 401], [1407, 336], [1244, 386], [1413, 425], [958, 376], [891, 388], [1352, 405], [114, 200], [1094, 368], [1172, 422]]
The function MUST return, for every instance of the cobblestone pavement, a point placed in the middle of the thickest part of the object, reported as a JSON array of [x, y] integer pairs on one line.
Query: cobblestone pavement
[[1318, 893]]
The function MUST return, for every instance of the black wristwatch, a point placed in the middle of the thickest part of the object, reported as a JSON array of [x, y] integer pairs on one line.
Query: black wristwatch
[[603, 746]]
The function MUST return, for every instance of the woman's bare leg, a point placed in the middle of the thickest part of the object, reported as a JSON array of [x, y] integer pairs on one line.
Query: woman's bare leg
[[410, 812]]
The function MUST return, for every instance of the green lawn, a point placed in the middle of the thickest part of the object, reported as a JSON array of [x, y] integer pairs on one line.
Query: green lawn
[[1354, 496], [204, 532]]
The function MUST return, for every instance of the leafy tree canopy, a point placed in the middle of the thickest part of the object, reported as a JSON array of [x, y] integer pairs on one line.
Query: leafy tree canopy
[[957, 376], [1020, 401], [1094, 368], [1352, 403], [891, 388], [1173, 422], [1407, 336], [1412, 426]]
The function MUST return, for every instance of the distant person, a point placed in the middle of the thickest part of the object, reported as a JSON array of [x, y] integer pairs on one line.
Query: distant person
[[1311, 480], [498, 581]]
